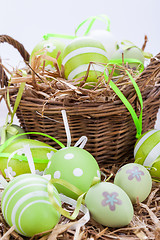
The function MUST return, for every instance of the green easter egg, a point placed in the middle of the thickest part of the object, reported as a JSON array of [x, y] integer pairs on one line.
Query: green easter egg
[[16, 129], [51, 47], [79, 53], [25, 204], [109, 205], [41, 153], [135, 180], [76, 166], [147, 151], [106, 38], [131, 52]]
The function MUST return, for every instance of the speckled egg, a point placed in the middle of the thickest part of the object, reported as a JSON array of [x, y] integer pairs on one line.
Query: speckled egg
[[75, 165], [25, 204], [135, 180], [18, 164], [147, 152], [109, 205]]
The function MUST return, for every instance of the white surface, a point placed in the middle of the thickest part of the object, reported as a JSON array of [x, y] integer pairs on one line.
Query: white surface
[[27, 21]]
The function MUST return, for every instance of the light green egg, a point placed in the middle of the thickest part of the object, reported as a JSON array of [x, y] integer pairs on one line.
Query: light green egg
[[133, 56], [16, 129], [109, 205], [106, 38], [41, 153], [135, 180], [25, 204], [79, 53], [74, 165], [147, 152], [51, 47]]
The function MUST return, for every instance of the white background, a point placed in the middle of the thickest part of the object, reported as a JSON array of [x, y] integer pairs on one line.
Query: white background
[[28, 20]]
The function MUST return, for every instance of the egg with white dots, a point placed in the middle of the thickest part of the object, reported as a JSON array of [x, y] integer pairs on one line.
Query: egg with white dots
[[147, 152], [76, 166], [25, 204], [135, 180]]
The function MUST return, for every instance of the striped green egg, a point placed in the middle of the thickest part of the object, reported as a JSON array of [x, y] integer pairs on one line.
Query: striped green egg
[[41, 153], [25, 204], [79, 53], [147, 152]]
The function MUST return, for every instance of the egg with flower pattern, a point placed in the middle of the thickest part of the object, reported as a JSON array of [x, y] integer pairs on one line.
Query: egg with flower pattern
[[74, 165], [18, 164], [109, 205], [135, 180]]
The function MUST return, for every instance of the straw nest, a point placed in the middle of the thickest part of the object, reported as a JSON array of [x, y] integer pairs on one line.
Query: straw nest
[[144, 225]]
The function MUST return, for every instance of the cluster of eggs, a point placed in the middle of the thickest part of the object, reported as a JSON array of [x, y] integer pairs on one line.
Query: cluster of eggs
[[25, 200], [87, 55]]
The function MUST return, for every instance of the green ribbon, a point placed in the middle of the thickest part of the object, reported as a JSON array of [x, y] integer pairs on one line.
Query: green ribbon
[[8, 126], [22, 158], [51, 35], [137, 121], [70, 187], [91, 21], [128, 60], [10, 140]]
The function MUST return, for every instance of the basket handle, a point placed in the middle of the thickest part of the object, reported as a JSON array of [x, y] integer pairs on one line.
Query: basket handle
[[25, 55]]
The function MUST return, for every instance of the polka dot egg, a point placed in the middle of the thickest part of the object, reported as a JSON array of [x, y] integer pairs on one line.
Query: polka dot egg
[[25, 204], [75, 165], [135, 180], [79, 53], [147, 152]]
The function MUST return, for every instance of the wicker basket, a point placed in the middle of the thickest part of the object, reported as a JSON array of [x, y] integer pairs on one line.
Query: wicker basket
[[109, 126]]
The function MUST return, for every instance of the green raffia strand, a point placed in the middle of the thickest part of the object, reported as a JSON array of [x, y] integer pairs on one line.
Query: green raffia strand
[[92, 19], [21, 158], [6, 143], [50, 35], [8, 126], [70, 187], [137, 121], [128, 60]]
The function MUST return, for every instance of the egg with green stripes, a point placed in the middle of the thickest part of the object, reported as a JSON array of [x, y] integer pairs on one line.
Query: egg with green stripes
[[147, 152], [25, 204], [79, 53]]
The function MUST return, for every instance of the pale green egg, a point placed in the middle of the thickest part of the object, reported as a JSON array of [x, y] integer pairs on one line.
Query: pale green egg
[[109, 205], [135, 180]]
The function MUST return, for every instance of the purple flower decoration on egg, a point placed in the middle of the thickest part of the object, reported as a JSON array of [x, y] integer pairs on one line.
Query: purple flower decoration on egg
[[135, 173], [111, 200]]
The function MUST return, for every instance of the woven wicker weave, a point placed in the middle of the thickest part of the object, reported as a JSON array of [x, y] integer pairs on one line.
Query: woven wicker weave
[[109, 126]]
